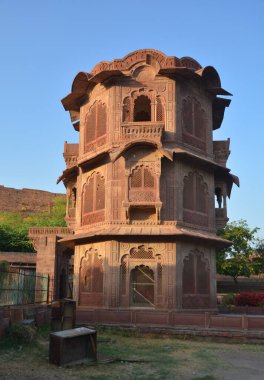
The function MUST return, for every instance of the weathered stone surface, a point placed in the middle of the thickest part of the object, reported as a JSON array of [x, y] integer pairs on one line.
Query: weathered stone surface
[[25, 200]]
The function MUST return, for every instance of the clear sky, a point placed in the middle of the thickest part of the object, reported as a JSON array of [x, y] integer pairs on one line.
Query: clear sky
[[44, 44]]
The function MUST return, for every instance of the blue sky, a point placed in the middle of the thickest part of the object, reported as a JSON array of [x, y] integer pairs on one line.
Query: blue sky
[[44, 44]]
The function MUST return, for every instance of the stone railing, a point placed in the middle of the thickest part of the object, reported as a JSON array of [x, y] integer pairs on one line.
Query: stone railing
[[36, 231], [142, 130], [221, 218]]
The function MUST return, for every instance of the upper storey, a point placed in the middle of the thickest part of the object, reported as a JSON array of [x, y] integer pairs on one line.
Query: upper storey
[[147, 97]]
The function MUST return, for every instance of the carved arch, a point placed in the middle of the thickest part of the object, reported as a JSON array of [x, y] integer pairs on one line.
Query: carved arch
[[195, 280], [195, 193], [194, 123], [143, 105], [142, 184], [95, 125], [137, 259], [91, 283], [93, 199]]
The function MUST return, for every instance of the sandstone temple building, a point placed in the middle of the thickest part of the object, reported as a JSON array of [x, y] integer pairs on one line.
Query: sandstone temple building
[[147, 189]]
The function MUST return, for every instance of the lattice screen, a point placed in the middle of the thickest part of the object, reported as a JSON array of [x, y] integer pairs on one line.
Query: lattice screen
[[201, 195], [148, 178], [188, 192], [188, 275], [195, 193], [90, 125], [100, 193], [95, 125], [101, 120], [88, 196], [200, 121], [136, 178], [93, 199], [141, 253], [91, 274], [123, 272], [159, 110], [194, 119], [187, 115], [195, 275], [127, 110], [159, 279]]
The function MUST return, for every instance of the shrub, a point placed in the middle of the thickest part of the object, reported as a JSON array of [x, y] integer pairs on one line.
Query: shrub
[[229, 299], [21, 334], [249, 299]]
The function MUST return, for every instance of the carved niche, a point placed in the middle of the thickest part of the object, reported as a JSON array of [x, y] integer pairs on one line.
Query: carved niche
[[95, 126], [195, 199], [195, 281], [194, 123], [91, 278], [93, 199], [141, 272]]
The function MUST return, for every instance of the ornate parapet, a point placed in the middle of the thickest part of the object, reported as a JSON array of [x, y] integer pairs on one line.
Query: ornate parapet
[[143, 130], [71, 152], [221, 151], [40, 231]]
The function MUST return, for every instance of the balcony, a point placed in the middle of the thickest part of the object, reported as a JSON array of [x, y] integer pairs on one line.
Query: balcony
[[71, 217], [221, 151], [220, 218], [142, 130], [71, 152]]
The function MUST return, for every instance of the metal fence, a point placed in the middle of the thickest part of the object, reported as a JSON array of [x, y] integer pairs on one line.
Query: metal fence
[[23, 287]]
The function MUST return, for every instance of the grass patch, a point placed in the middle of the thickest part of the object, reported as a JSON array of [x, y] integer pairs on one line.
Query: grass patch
[[123, 354]]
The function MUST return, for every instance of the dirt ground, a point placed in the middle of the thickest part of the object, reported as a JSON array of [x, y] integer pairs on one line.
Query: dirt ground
[[138, 356]]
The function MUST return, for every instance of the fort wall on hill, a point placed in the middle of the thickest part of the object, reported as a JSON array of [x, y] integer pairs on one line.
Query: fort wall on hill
[[25, 200]]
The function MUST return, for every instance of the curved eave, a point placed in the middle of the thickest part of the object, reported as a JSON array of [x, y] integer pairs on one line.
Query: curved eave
[[66, 173], [115, 154], [219, 170], [181, 152], [146, 232]]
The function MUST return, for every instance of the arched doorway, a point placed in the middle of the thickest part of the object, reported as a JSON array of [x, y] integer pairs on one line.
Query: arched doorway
[[142, 287]]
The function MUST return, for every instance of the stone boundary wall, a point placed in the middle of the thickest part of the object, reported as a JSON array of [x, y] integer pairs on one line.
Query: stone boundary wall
[[41, 314], [172, 319], [25, 200]]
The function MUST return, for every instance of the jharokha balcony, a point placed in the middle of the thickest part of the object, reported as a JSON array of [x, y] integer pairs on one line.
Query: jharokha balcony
[[143, 130], [70, 154]]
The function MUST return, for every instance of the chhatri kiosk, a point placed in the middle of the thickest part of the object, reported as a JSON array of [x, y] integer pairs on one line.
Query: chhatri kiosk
[[147, 188]]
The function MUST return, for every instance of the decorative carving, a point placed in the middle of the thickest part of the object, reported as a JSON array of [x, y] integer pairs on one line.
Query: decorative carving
[[93, 199], [195, 193], [95, 126], [194, 122], [195, 280]]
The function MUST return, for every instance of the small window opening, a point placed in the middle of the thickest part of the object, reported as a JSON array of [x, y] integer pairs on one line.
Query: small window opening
[[219, 196], [142, 109]]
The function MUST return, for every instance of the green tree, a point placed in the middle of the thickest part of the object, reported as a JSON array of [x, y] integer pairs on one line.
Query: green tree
[[236, 260], [258, 257], [14, 227]]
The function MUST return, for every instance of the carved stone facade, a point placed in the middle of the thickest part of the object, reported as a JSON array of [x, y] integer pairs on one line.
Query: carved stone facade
[[142, 185]]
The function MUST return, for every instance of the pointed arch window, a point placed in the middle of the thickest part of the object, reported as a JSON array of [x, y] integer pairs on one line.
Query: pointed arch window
[[91, 279], [143, 107], [194, 122], [142, 184], [195, 199], [95, 126], [93, 204], [195, 280]]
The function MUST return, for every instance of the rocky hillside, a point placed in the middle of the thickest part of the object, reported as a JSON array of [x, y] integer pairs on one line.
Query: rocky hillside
[[26, 201]]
